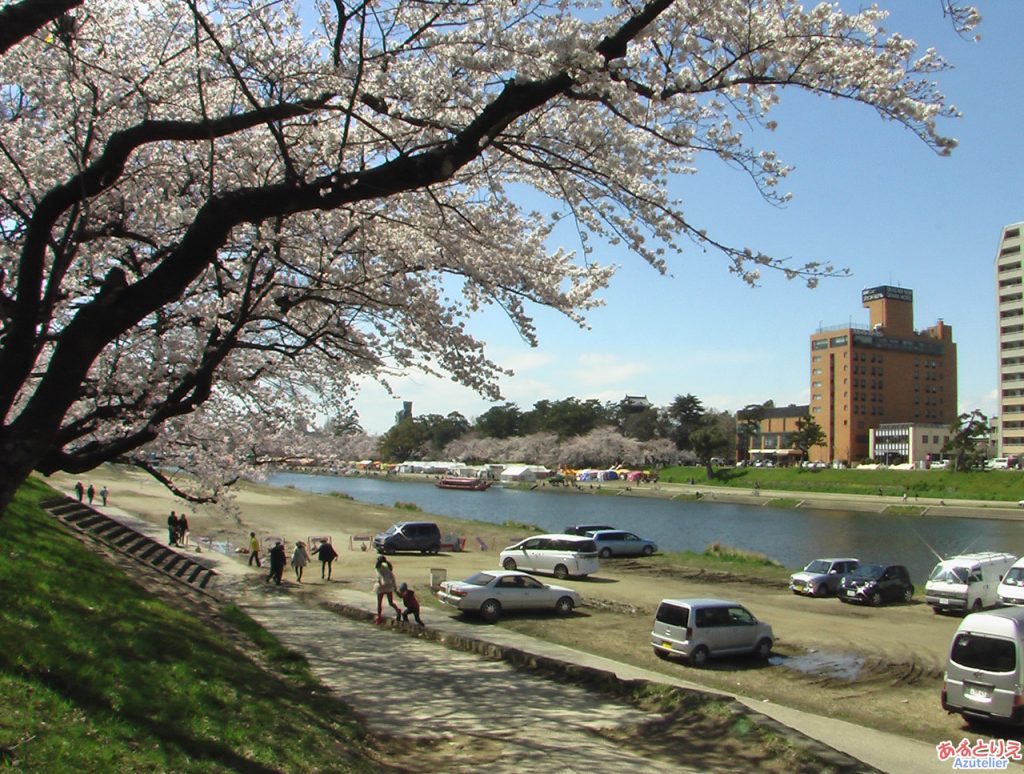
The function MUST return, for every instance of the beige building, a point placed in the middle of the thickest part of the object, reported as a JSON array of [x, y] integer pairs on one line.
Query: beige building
[[1010, 295], [906, 442], [886, 373]]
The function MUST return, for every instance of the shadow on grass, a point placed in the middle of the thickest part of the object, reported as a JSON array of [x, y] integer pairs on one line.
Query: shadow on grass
[[149, 675]]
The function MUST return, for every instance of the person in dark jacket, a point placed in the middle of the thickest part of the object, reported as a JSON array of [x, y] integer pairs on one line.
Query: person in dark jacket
[[412, 605], [326, 554], [278, 559], [172, 529]]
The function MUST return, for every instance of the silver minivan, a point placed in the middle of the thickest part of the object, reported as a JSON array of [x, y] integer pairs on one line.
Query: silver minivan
[[984, 674], [697, 629], [560, 555]]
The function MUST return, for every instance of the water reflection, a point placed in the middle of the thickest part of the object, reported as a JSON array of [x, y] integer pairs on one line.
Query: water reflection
[[792, 536]]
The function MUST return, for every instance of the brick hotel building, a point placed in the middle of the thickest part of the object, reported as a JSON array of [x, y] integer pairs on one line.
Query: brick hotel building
[[885, 373]]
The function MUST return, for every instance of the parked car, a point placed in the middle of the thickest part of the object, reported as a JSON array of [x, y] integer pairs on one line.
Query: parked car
[[873, 584], [560, 555], [493, 592], [615, 542], [984, 677], [821, 578], [584, 529], [422, 536], [698, 629]]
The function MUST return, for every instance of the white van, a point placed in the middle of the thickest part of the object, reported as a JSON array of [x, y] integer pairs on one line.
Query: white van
[[1011, 590], [984, 677], [560, 555], [967, 583]]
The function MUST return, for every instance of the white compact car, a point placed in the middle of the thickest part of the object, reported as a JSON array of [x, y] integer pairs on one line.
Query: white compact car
[[494, 591]]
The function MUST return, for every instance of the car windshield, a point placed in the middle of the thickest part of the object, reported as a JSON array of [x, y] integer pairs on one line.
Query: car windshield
[[394, 529], [480, 579], [818, 566], [949, 574], [1015, 577], [869, 572]]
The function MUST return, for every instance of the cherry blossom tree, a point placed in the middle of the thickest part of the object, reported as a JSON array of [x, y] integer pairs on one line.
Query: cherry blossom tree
[[216, 217]]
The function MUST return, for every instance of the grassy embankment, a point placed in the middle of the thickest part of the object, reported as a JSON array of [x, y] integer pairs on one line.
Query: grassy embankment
[[992, 485], [98, 675]]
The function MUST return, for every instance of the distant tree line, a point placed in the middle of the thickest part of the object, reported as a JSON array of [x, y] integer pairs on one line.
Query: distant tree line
[[570, 432]]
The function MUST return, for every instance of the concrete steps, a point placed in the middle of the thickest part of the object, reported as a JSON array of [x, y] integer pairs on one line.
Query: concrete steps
[[84, 518]]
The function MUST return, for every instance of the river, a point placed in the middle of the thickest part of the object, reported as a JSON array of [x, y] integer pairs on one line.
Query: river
[[793, 536]]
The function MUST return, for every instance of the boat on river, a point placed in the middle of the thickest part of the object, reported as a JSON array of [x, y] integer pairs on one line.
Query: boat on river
[[463, 482]]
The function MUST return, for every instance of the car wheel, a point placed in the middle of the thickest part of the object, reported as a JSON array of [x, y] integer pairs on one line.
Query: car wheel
[[435, 549], [604, 553], [561, 571], [660, 654], [875, 599], [564, 605], [975, 608], [648, 551], [763, 649], [509, 564], [490, 610], [699, 657]]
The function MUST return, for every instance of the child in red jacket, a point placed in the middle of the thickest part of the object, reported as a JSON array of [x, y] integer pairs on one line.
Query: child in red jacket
[[412, 605]]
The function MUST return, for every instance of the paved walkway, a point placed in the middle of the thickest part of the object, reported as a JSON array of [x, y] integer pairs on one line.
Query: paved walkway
[[535, 717]]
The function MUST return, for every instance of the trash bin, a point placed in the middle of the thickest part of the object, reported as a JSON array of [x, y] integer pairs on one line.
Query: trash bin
[[437, 577]]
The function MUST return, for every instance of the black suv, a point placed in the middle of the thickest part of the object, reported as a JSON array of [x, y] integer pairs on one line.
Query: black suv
[[583, 529], [873, 584], [422, 536]]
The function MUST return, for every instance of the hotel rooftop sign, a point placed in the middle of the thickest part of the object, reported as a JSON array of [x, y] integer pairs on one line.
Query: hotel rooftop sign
[[887, 291]]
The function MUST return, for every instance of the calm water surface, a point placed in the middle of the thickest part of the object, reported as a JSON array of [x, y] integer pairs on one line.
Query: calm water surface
[[792, 536]]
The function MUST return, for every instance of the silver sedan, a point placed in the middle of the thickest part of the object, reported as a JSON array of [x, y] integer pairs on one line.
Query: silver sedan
[[492, 592]]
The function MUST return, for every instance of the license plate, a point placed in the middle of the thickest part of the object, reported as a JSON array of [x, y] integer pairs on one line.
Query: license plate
[[851, 593], [977, 691], [667, 645]]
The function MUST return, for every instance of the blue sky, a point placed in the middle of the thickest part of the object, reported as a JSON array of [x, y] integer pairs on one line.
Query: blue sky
[[867, 195]]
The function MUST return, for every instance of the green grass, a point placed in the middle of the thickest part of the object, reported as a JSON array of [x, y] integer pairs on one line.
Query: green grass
[[97, 675], [402, 506], [993, 485]]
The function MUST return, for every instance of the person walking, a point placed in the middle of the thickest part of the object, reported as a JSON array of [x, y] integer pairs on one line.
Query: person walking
[[79, 490], [90, 493], [412, 605], [104, 493], [326, 554], [172, 529], [183, 530], [254, 550], [300, 558], [278, 559], [385, 587]]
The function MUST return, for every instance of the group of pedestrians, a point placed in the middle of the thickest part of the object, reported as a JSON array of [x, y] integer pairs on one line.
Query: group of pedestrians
[[301, 556], [177, 530], [385, 587], [91, 493]]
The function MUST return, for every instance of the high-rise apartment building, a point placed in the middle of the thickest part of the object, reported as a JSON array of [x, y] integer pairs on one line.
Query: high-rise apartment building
[[1010, 295], [885, 373]]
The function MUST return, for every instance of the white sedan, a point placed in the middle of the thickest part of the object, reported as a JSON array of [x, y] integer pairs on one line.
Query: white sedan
[[491, 592]]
